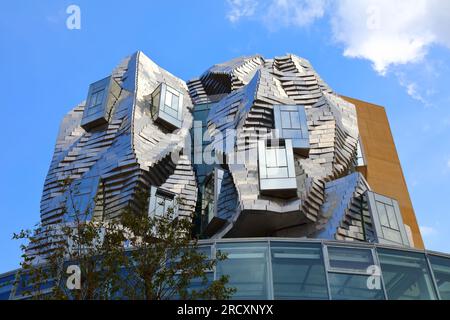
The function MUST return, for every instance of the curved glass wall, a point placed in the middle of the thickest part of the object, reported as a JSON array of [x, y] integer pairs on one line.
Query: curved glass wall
[[406, 275], [297, 269], [441, 271]]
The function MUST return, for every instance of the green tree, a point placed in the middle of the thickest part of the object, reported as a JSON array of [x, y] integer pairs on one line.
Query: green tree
[[136, 256]]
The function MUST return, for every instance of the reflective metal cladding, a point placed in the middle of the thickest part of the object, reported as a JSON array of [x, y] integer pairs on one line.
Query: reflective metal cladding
[[253, 147]]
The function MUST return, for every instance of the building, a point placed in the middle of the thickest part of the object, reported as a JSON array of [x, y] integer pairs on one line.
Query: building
[[268, 159]]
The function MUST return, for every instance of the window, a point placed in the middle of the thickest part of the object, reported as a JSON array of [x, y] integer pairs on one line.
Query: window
[[349, 259], [247, 266], [96, 98], [387, 220], [291, 123], [276, 169], [160, 202], [211, 222], [349, 272], [406, 275], [6, 286], [298, 271], [167, 106], [352, 287], [209, 197], [360, 159], [441, 271], [101, 98]]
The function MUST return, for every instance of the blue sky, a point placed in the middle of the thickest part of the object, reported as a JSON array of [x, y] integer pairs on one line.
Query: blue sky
[[391, 53]]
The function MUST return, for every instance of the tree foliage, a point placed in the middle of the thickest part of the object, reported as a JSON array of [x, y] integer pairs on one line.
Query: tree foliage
[[136, 256]]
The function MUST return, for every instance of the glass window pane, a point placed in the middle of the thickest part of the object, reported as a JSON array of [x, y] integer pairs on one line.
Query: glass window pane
[[247, 267], [295, 120], [351, 259], [441, 270], [175, 103], [392, 235], [285, 120], [392, 218], [353, 287], [281, 157], [168, 99], [406, 275], [383, 215], [99, 97], [298, 271], [273, 173], [271, 159]]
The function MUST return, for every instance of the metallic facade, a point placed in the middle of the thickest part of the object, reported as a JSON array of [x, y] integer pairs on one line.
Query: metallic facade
[[273, 166], [283, 152]]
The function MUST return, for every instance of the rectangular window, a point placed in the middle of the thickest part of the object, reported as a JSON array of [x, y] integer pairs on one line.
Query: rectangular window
[[161, 201], [360, 159], [353, 287], [101, 98], [97, 98], [276, 169], [247, 267], [211, 220], [167, 106], [298, 271], [350, 259], [441, 271], [406, 275], [290, 122], [349, 272], [387, 220]]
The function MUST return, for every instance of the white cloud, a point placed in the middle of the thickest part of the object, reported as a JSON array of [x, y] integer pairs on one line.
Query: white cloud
[[241, 9], [412, 89], [297, 13], [428, 231], [448, 163], [277, 13], [390, 32], [384, 32]]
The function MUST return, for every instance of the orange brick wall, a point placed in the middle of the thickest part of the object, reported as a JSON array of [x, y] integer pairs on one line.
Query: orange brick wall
[[384, 172]]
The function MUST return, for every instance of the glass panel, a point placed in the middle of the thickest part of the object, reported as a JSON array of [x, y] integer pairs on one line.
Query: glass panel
[[392, 218], [96, 98], [406, 275], [295, 120], [168, 99], [292, 134], [350, 258], [247, 267], [285, 120], [209, 199], [155, 103], [281, 157], [6, 285], [298, 271], [271, 159], [175, 103], [353, 287], [441, 270], [382, 213], [360, 157], [277, 173], [100, 95], [392, 235], [198, 284]]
